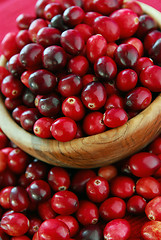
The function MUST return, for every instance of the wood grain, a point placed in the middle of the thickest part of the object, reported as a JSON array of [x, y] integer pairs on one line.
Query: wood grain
[[94, 151]]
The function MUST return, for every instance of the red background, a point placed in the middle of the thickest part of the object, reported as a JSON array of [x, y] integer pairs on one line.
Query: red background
[[10, 9]]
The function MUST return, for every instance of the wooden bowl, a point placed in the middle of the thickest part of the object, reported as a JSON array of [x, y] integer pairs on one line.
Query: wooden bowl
[[93, 151]]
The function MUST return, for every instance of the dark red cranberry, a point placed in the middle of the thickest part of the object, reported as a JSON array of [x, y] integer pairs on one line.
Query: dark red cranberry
[[28, 118], [58, 23], [108, 172], [52, 9], [142, 63], [126, 80], [3, 73], [35, 26], [94, 95], [42, 127], [71, 222], [90, 232], [72, 41], [155, 52], [14, 66], [11, 104], [69, 3], [39, 7], [31, 56], [49, 105], [36, 170], [3, 140], [11, 87], [22, 38], [54, 58], [88, 78], [115, 117], [73, 16], [45, 210], [151, 38], [28, 98], [146, 24], [137, 43], [90, 15], [24, 20], [155, 146], [16, 113], [136, 205], [3, 161], [35, 223], [48, 36]]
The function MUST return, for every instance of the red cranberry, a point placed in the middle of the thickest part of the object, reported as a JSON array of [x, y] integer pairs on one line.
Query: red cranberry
[[3, 73], [3, 161], [73, 16], [85, 30], [155, 52], [7, 178], [49, 105], [39, 7], [117, 229], [73, 107], [90, 15], [146, 24], [115, 117], [127, 20], [65, 202], [106, 7], [93, 123], [28, 118], [53, 228], [16, 113], [45, 210], [108, 172], [58, 178], [35, 26], [71, 222], [42, 126], [138, 99], [152, 209], [11, 104], [3, 140], [151, 230], [137, 43], [88, 78], [35, 223], [25, 76], [142, 63], [66, 133], [112, 208], [134, 6], [48, 36], [9, 46], [72, 41], [5, 197], [114, 101], [11, 87], [14, 66], [78, 65], [31, 56], [36, 170], [96, 47], [155, 146], [68, 3], [54, 58], [136, 205], [23, 21], [151, 38], [111, 47], [87, 213], [144, 164], [52, 9], [105, 68], [94, 95]]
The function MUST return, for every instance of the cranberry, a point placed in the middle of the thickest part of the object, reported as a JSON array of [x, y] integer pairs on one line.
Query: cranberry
[[126, 80], [96, 47], [105, 68], [65, 202], [137, 43], [87, 213], [106, 7], [31, 56], [35, 26], [148, 187], [3, 73], [94, 95], [155, 146], [39, 191], [52, 9], [53, 228], [22, 38], [144, 164], [15, 224], [149, 77], [58, 23], [39, 7], [14, 66], [23, 21], [16, 113], [107, 172], [48, 36], [28, 118], [93, 123], [5, 197], [58, 178], [11, 87], [73, 107], [126, 55], [35, 223], [70, 85], [54, 58], [114, 101], [88, 78], [155, 52], [136, 205], [3, 162], [3, 140], [68, 3], [117, 229], [85, 30], [134, 6], [25, 76], [152, 209], [11, 104], [90, 232], [122, 186], [9, 46], [28, 98], [146, 24], [115, 117], [73, 16], [45, 210], [151, 230], [142, 63], [78, 65], [71, 222], [42, 126], [151, 38], [112, 208], [36, 170], [111, 47], [20, 238], [90, 16], [127, 20], [72, 41], [138, 99]]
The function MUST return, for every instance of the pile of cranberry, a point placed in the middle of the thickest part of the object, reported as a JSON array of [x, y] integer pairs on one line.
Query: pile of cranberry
[[80, 67], [44, 202]]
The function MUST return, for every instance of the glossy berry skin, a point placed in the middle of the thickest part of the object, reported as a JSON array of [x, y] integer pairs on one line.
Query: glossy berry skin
[[117, 229], [11, 87], [134, 6], [16, 113], [65, 202], [114, 101], [146, 24], [144, 164], [54, 58], [122, 186], [11, 104], [36, 170], [9, 46], [138, 99], [142, 63], [93, 123], [68, 129], [96, 47], [35, 26], [85, 30], [42, 82], [45, 210], [70, 85], [59, 179], [151, 230], [14, 66], [106, 7], [105, 68], [78, 65], [49, 105], [15, 224], [152, 209], [127, 20], [73, 16], [148, 187], [115, 117], [48, 36], [58, 23], [126, 80], [112, 208], [71, 222], [126, 55], [94, 95], [150, 78], [136, 205], [137, 43], [90, 232], [72, 41], [90, 16], [23, 21], [35, 223], [68, 3], [28, 118], [155, 146], [42, 126], [5, 197], [93, 213], [151, 38], [97, 189], [73, 107], [108, 172], [19, 200], [22, 38], [31, 56], [53, 228]]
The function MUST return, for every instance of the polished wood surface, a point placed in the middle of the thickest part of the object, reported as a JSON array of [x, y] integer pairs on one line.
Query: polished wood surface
[[94, 151]]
